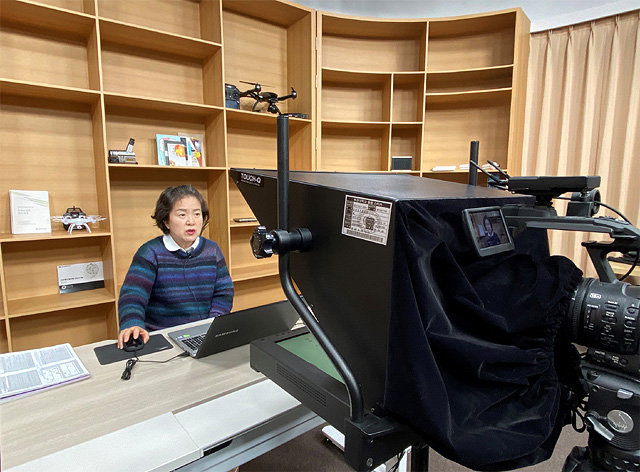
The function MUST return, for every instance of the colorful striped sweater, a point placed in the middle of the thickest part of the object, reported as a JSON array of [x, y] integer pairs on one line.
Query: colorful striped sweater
[[165, 288]]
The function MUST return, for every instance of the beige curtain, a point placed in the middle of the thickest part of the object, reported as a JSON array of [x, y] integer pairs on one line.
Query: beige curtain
[[583, 115]]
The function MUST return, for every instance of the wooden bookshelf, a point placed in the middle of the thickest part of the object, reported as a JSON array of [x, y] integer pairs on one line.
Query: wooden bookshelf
[[440, 83], [81, 77]]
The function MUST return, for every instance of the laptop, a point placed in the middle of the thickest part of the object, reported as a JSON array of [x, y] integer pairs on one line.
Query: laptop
[[235, 329]]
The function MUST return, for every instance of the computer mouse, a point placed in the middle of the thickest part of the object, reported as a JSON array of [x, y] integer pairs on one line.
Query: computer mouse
[[133, 344]]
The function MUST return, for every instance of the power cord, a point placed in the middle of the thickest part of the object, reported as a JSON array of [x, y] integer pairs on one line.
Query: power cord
[[126, 375]]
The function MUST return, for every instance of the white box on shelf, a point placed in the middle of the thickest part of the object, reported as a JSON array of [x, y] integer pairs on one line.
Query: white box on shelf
[[29, 211]]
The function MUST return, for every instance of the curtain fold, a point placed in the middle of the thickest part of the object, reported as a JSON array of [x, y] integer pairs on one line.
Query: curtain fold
[[583, 116]]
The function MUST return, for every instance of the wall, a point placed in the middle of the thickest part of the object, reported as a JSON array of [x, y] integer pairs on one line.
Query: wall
[[544, 14]]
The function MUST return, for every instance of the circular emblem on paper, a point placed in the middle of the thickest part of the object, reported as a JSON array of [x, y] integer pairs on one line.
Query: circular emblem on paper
[[369, 221], [92, 269]]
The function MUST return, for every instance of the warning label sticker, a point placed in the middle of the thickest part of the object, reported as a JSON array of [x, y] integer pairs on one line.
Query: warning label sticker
[[366, 219]]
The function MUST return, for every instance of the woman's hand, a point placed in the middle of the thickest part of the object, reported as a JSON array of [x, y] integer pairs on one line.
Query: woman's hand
[[135, 332]]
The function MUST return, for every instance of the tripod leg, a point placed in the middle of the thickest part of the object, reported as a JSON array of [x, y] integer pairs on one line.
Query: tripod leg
[[420, 458]]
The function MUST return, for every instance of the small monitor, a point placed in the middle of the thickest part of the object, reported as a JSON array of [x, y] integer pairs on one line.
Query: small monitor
[[488, 230]]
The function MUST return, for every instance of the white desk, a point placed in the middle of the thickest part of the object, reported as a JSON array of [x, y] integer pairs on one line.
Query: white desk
[[208, 414]]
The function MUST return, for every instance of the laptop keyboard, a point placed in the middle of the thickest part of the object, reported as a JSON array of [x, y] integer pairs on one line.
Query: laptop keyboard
[[193, 342]]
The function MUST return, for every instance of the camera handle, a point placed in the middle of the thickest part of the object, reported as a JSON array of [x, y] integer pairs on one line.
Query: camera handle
[[626, 237]]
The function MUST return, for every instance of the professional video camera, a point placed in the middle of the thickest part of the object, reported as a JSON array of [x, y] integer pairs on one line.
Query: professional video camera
[[603, 317], [425, 330]]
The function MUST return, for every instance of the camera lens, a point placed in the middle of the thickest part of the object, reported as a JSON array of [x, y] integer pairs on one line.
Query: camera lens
[[606, 316]]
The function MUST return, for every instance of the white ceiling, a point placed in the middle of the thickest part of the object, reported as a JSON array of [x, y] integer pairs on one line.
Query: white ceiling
[[544, 14]]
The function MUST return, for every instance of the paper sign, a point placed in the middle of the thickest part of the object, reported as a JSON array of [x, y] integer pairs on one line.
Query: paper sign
[[76, 277]]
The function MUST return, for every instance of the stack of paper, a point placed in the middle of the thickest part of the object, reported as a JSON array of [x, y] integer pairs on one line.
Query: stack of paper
[[39, 369]]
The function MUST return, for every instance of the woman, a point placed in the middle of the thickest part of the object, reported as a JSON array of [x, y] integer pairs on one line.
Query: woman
[[176, 278]]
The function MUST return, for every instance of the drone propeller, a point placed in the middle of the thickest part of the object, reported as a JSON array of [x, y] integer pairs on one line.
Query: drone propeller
[[255, 83]]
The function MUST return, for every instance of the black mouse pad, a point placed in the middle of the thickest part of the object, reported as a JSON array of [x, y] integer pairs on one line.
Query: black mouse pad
[[110, 352]]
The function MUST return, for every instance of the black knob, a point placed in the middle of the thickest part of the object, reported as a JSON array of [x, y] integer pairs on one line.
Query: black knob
[[262, 243]]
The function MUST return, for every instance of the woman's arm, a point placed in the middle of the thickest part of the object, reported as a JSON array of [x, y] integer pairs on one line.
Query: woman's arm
[[222, 300], [135, 293]]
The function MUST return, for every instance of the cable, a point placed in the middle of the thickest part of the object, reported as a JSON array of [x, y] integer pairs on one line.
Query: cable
[[126, 375], [633, 266], [601, 204]]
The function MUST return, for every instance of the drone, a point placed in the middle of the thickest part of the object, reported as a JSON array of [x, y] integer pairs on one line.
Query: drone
[[260, 96], [75, 218]]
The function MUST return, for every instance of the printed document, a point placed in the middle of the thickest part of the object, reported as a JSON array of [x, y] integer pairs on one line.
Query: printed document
[[37, 369]]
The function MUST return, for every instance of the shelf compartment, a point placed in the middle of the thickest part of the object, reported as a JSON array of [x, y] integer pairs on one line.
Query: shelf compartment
[[238, 207], [133, 201], [372, 45], [31, 277], [408, 98], [251, 142], [354, 147], [47, 45], [77, 326], [77, 6], [273, 45], [278, 13], [184, 17], [154, 40], [355, 96], [452, 121], [58, 155], [406, 140], [256, 292], [135, 71], [470, 43], [143, 119], [467, 80], [257, 270]]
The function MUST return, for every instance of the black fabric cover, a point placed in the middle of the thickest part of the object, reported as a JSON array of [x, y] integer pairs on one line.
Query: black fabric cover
[[471, 351]]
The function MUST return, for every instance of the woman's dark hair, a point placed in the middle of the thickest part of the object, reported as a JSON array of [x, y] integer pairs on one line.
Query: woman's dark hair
[[169, 197], [485, 221]]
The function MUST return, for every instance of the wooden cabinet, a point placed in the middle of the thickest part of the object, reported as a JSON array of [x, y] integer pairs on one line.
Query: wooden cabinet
[[80, 77]]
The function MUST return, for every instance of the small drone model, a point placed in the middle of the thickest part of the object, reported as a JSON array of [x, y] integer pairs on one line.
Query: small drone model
[[75, 218], [271, 98]]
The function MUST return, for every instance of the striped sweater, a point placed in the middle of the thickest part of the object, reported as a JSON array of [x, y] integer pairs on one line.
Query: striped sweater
[[165, 288]]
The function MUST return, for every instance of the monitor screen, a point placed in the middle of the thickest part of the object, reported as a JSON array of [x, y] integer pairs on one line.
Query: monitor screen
[[488, 230], [307, 348]]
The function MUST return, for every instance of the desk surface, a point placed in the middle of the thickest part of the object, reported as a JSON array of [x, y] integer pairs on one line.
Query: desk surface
[[53, 420]]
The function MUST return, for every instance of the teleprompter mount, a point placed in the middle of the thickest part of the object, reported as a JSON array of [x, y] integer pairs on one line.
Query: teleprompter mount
[[369, 439]]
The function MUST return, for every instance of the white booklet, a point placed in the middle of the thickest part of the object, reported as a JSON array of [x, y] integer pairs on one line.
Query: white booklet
[[29, 211], [38, 369]]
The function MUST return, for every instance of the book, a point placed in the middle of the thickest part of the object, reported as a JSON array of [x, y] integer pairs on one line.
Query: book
[[195, 150], [29, 211], [39, 369], [172, 150]]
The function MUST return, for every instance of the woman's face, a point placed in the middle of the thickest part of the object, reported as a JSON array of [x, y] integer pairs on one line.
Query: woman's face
[[185, 221], [488, 226]]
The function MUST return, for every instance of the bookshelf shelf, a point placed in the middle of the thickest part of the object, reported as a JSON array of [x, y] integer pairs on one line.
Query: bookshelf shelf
[[46, 18], [55, 234], [58, 302], [138, 105], [488, 78], [20, 88], [149, 39]]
